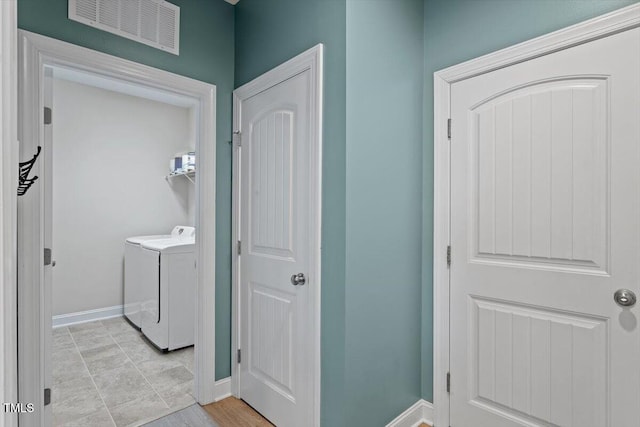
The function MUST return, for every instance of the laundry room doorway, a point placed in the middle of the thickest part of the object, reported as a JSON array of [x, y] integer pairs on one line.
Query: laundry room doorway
[[113, 144]]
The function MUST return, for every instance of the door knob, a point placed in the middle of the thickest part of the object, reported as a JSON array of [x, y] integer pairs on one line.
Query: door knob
[[298, 279], [624, 298]]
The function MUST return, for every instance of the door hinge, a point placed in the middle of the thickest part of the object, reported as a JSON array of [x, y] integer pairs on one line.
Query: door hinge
[[238, 137], [47, 115], [449, 129], [239, 247], [449, 256], [239, 356], [47, 396], [47, 256], [448, 382]]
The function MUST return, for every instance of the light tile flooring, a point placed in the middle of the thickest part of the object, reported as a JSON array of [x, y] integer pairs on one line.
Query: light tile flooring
[[106, 374]]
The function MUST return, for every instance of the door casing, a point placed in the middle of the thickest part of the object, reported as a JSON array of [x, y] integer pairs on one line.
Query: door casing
[[8, 204], [311, 60], [587, 31], [36, 52]]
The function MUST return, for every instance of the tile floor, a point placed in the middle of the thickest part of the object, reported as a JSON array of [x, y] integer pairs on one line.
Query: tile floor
[[106, 374], [192, 416]]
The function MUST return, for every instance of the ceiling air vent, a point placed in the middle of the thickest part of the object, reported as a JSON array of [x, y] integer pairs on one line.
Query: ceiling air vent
[[152, 22]]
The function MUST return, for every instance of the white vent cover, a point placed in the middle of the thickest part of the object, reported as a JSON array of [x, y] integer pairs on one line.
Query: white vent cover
[[152, 22]]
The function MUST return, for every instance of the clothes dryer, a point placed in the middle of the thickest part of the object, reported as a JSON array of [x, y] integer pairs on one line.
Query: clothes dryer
[[169, 282]]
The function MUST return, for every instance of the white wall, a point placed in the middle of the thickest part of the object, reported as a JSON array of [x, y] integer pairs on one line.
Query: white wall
[[110, 156]]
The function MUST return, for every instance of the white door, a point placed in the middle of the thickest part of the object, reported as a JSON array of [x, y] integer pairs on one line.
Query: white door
[[278, 230], [545, 227], [47, 310]]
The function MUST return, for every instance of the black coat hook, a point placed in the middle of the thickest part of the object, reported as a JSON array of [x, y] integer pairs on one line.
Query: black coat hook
[[24, 182]]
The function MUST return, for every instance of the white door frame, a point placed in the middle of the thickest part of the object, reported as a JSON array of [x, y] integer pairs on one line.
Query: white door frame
[[593, 29], [311, 60], [8, 206], [35, 53]]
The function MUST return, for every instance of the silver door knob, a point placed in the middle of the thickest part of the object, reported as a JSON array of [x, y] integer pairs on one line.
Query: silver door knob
[[625, 298], [298, 279]]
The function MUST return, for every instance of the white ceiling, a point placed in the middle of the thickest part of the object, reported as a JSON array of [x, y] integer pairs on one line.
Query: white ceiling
[[115, 85], [232, 1]]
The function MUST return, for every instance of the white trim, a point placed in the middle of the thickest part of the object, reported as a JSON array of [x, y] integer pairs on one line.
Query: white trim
[[235, 223], [68, 319], [8, 201], [593, 29], [597, 28], [122, 87], [420, 412], [37, 52], [441, 240], [311, 59], [223, 389]]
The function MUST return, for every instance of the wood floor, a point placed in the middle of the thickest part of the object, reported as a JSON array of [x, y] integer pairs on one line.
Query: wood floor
[[232, 412]]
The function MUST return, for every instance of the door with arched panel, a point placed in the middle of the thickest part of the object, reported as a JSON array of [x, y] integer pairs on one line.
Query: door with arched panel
[[545, 228]]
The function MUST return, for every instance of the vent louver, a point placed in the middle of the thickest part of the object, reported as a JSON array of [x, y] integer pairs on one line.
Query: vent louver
[[152, 22]]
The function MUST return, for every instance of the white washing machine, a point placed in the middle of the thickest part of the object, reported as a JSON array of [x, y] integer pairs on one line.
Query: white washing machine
[[169, 287], [133, 275]]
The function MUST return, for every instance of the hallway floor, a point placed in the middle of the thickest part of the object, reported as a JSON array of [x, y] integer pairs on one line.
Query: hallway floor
[[229, 412], [233, 412], [106, 374]]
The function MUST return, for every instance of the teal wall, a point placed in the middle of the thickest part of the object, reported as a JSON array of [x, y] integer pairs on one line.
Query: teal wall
[[384, 209], [377, 234], [206, 54], [459, 30], [371, 326], [267, 34]]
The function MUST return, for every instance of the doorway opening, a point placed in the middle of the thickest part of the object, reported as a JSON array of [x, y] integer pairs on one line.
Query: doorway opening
[[123, 335], [108, 129]]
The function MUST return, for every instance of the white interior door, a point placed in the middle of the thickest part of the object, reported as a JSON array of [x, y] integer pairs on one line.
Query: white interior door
[[545, 227], [47, 218], [278, 234]]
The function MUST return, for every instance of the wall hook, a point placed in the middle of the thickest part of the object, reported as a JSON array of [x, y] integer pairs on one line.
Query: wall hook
[[24, 182]]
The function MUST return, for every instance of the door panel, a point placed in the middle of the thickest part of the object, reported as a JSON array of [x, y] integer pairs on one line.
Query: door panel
[[545, 208], [537, 150], [275, 200], [271, 161], [271, 322]]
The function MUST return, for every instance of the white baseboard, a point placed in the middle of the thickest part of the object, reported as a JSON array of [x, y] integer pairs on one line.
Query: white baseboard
[[87, 316], [420, 412], [223, 389]]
